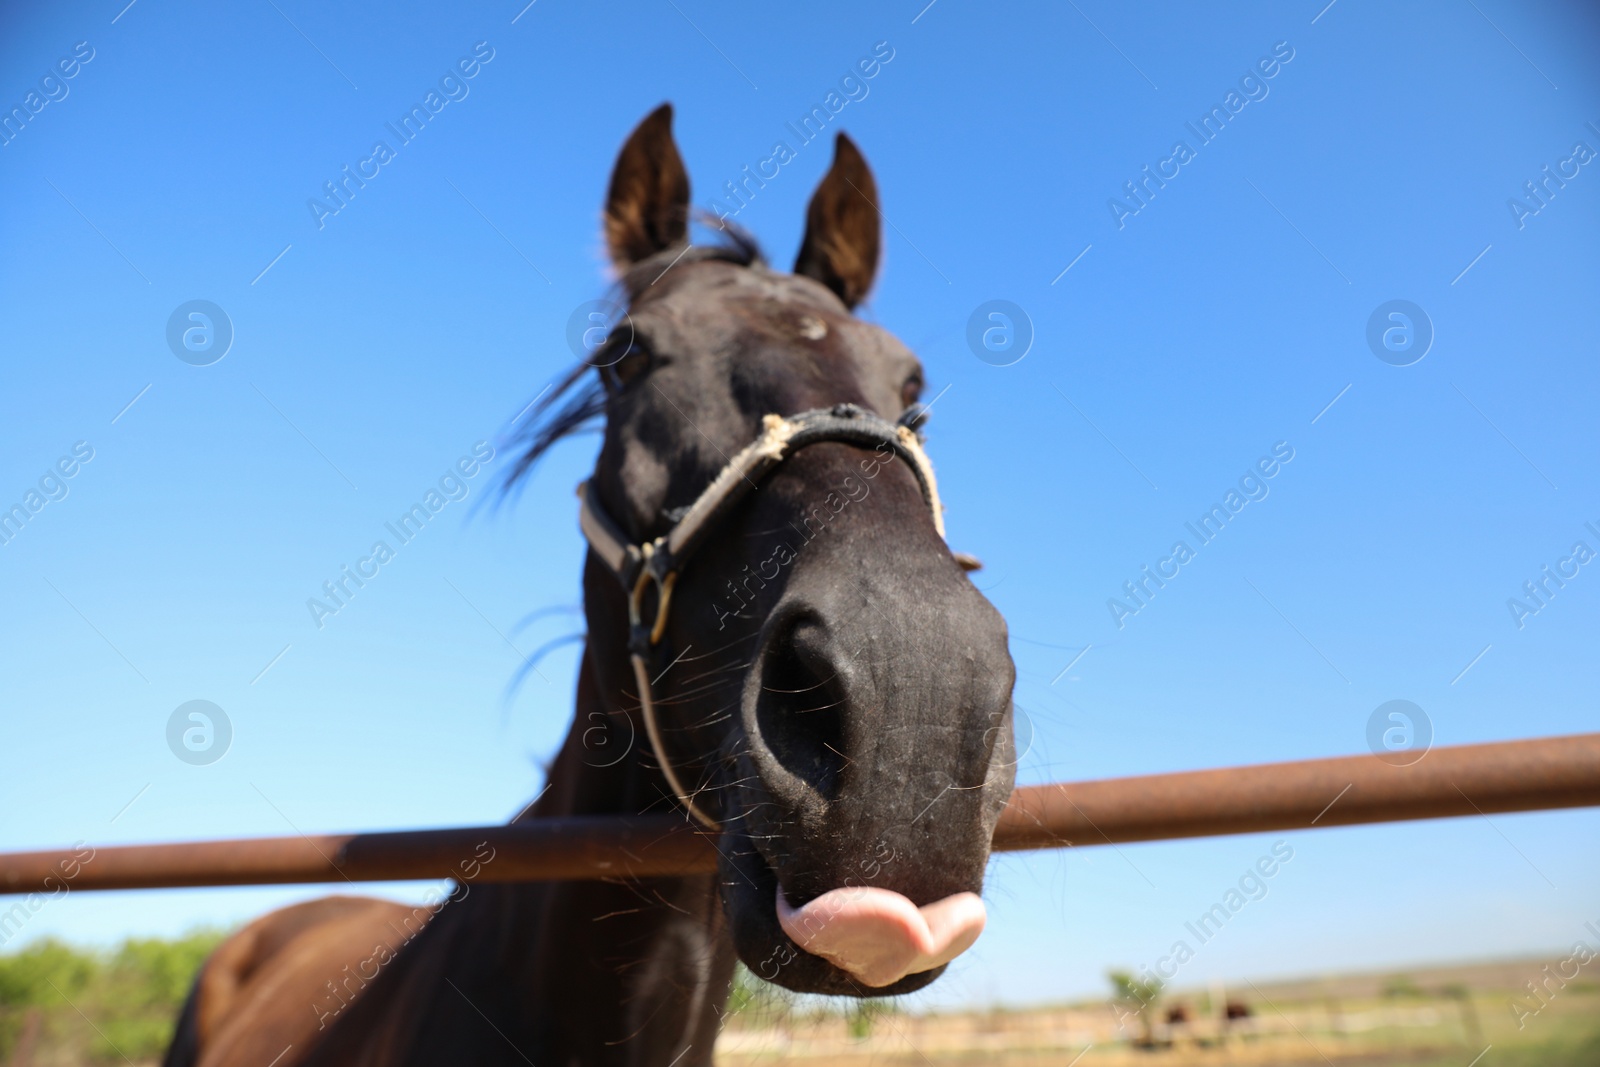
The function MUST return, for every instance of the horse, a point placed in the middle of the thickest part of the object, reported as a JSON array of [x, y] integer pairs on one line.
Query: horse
[[773, 612]]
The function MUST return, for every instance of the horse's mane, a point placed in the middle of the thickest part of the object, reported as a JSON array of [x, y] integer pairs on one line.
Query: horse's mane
[[578, 401]]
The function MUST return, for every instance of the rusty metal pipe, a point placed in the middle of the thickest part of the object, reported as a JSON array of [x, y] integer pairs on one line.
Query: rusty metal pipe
[[1549, 772], [1554, 772]]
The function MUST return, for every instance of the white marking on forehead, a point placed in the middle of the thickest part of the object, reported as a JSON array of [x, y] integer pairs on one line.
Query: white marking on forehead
[[812, 328]]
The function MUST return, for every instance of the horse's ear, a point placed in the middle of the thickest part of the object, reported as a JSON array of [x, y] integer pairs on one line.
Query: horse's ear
[[840, 249], [647, 206]]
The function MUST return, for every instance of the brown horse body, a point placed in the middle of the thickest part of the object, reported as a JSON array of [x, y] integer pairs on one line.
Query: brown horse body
[[830, 685]]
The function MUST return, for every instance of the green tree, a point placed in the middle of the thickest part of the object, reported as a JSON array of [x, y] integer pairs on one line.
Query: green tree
[[130, 996], [1136, 996]]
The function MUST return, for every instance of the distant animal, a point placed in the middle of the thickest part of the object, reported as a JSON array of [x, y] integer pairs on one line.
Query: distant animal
[[807, 670]]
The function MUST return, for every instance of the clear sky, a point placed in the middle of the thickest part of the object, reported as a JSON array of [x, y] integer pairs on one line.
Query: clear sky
[[1176, 340]]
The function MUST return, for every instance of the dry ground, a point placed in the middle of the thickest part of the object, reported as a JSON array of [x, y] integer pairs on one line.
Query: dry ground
[[1460, 1017]]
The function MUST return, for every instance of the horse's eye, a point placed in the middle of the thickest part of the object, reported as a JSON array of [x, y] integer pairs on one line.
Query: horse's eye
[[634, 362], [911, 391]]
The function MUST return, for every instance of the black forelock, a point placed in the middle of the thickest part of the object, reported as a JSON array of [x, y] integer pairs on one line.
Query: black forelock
[[579, 400]]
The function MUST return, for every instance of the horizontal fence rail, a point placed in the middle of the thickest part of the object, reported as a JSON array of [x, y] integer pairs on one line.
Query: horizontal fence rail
[[1555, 772]]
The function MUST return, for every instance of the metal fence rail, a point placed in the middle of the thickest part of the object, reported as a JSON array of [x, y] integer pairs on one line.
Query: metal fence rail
[[1555, 772]]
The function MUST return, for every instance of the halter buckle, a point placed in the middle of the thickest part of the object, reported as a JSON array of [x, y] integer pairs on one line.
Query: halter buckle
[[655, 569]]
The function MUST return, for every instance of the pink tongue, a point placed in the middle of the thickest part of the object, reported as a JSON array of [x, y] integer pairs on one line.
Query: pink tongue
[[879, 936]]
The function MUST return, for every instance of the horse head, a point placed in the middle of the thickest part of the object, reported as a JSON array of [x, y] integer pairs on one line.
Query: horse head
[[828, 690]]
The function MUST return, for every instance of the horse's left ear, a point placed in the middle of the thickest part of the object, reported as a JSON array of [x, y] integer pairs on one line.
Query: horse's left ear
[[840, 249], [647, 206]]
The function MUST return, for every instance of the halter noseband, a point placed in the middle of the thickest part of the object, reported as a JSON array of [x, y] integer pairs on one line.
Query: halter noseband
[[658, 562]]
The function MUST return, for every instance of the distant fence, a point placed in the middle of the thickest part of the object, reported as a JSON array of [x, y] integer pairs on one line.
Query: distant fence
[[1554, 772]]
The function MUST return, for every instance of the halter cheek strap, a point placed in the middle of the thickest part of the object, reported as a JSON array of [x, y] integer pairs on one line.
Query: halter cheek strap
[[657, 563]]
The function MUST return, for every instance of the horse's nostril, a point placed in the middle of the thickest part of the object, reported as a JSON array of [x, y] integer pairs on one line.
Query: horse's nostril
[[799, 711]]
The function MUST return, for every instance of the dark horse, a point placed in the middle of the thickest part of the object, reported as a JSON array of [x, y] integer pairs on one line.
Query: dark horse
[[829, 688]]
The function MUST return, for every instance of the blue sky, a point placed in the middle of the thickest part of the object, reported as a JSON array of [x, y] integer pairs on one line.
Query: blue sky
[[1185, 342]]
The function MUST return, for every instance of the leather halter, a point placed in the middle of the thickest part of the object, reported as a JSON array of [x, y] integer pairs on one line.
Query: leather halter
[[658, 563]]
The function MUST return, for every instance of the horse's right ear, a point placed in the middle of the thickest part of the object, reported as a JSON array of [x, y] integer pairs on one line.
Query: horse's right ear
[[647, 206]]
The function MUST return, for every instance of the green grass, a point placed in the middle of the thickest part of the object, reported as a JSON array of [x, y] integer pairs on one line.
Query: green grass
[[1563, 1052]]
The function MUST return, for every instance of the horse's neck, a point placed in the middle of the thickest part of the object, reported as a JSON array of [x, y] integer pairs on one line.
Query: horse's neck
[[631, 973], [641, 968]]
